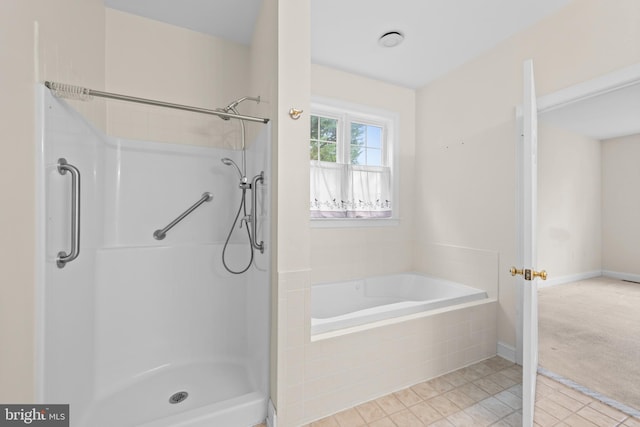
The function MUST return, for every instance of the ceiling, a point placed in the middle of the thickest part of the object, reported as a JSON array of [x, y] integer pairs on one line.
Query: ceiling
[[439, 34], [610, 115], [228, 19]]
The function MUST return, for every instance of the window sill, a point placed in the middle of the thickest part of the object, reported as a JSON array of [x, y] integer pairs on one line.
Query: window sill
[[353, 222]]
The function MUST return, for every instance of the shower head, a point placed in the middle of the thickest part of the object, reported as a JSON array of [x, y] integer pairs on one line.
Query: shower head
[[223, 110], [231, 108], [227, 161], [235, 103]]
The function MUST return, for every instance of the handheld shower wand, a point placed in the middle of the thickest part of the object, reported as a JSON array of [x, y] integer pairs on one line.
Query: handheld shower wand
[[244, 186], [227, 161], [231, 108]]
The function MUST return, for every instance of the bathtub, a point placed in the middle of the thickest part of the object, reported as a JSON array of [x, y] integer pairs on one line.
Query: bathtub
[[350, 303]]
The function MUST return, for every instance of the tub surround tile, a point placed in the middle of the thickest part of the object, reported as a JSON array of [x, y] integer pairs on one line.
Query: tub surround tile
[[368, 363]]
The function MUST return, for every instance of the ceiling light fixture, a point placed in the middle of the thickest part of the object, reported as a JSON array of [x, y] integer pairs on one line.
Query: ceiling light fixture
[[391, 39]]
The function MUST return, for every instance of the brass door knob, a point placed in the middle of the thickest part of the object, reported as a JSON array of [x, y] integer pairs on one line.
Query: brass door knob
[[541, 274], [528, 274]]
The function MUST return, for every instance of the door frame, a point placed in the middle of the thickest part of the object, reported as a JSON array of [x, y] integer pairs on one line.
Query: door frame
[[601, 85]]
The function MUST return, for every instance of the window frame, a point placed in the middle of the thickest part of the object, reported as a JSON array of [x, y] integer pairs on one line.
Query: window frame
[[347, 113]]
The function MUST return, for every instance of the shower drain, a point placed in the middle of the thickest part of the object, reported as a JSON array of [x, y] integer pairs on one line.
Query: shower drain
[[178, 397]]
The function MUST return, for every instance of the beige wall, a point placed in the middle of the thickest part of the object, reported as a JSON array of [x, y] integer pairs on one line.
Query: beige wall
[[311, 381], [621, 205], [569, 203], [151, 59], [69, 47], [466, 129], [345, 253], [291, 207]]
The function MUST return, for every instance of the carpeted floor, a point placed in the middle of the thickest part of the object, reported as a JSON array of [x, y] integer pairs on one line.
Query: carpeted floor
[[589, 332]]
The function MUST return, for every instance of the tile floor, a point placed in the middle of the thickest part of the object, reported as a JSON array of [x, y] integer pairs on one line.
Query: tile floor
[[488, 393]]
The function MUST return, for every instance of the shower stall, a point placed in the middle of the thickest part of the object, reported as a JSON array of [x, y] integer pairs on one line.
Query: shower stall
[[139, 322]]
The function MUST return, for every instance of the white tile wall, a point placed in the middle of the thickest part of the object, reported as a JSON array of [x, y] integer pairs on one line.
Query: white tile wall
[[323, 377]]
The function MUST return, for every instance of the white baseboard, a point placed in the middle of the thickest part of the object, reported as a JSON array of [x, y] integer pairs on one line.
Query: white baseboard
[[621, 276], [554, 281], [271, 415], [506, 352]]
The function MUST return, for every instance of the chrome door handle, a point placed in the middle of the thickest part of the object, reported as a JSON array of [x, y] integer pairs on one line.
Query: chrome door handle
[[63, 258]]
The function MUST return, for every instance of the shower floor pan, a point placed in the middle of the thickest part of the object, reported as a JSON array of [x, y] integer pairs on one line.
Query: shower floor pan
[[217, 394]]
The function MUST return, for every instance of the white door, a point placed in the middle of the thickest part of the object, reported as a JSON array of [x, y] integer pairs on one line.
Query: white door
[[527, 251]]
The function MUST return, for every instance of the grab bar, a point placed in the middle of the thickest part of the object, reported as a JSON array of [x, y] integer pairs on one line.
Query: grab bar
[[254, 219], [63, 258], [161, 234]]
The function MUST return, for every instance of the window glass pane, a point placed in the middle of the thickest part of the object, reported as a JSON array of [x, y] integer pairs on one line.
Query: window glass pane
[[314, 127], [358, 155], [328, 152], [323, 133], [374, 136], [313, 150], [374, 157], [328, 129], [366, 144], [358, 134]]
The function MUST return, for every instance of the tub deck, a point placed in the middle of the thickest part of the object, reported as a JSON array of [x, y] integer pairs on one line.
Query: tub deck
[[341, 305]]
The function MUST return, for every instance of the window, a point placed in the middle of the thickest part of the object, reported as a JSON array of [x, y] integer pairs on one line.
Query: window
[[350, 150]]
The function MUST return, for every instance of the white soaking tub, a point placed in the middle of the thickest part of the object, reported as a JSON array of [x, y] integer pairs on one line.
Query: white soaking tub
[[350, 303]]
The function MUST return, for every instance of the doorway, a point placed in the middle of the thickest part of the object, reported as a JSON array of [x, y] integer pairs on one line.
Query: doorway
[[589, 151]]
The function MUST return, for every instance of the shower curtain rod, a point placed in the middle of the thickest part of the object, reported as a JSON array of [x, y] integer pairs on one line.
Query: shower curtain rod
[[63, 90]]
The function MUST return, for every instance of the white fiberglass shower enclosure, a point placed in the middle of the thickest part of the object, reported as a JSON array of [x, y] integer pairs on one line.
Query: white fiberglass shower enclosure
[[138, 331]]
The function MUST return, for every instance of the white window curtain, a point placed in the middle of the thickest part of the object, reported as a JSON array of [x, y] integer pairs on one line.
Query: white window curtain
[[350, 191]]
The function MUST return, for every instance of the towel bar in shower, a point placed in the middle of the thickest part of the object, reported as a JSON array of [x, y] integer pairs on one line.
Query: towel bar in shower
[[63, 258], [161, 234]]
